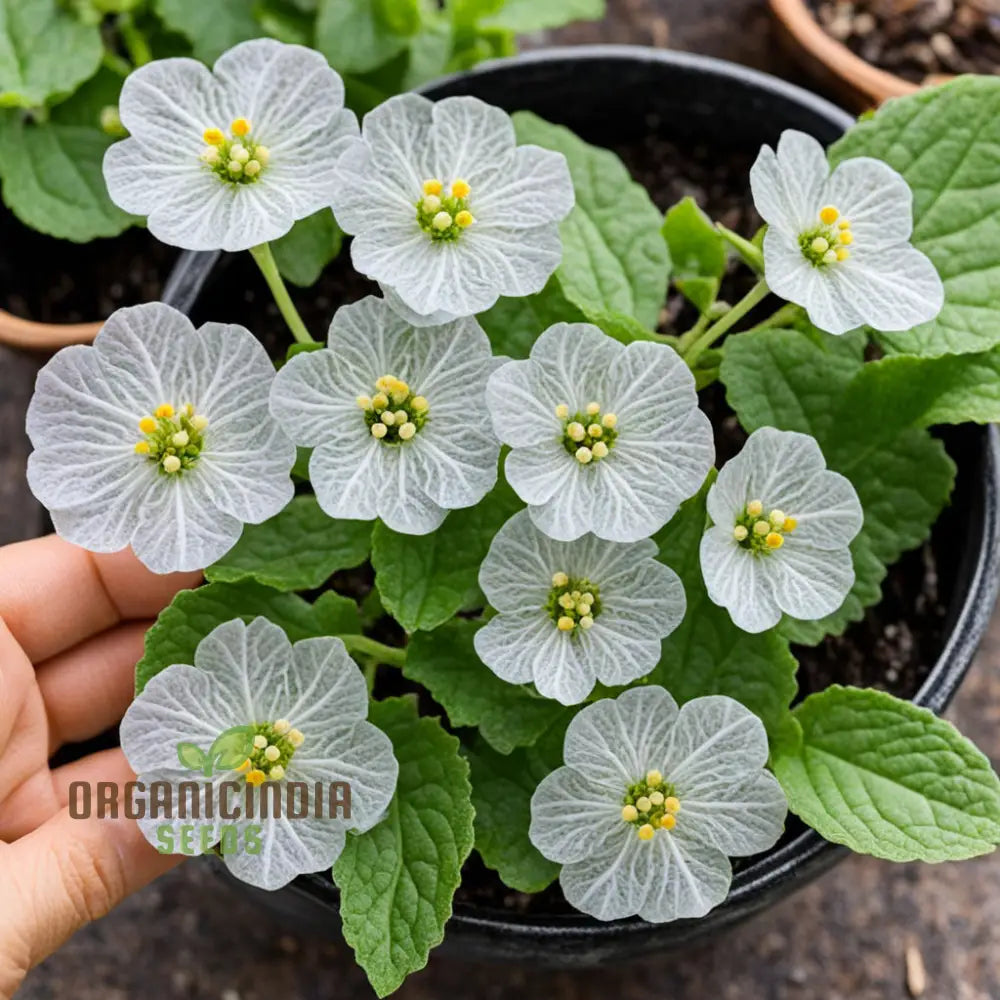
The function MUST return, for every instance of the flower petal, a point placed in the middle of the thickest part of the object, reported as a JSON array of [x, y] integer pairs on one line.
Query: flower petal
[[874, 198], [735, 581], [787, 185], [537, 188], [570, 818], [470, 140], [808, 582]]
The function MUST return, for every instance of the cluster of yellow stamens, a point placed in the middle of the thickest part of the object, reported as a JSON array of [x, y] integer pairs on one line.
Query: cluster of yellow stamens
[[235, 157], [393, 414], [827, 243], [590, 435], [444, 212], [573, 603], [274, 745], [758, 533], [650, 805], [173, 440]]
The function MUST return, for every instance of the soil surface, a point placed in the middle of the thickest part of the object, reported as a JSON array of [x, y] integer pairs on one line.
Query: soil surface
[[917, 39], [54, 281]]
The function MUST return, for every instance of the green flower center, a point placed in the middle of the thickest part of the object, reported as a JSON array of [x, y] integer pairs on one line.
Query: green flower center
[[588, 436], [573, 603], [827, 242], [762, 533], [236, 158], [650, 804], [172, 440], [443, 212], [274, 746], [394, 415]]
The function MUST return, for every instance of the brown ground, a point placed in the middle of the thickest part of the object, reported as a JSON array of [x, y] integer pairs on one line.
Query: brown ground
[[845, 937]]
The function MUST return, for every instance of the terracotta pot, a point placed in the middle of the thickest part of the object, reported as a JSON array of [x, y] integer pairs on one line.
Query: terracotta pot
[[832, 63], [181, 290]]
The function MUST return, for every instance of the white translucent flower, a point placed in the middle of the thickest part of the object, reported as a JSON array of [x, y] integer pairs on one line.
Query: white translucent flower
[[159, 437], [397, 417], [305, 707], [574, 613], [837, 243], [606, 438], [448, 212], [653, 802], [229, 158], [783, 524]]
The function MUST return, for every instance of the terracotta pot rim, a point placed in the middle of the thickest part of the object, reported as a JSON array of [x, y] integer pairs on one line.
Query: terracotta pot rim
[[837, 58], [29, 335]]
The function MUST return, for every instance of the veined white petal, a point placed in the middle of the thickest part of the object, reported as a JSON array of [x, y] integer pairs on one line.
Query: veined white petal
[[571, 818], [547, 472], [787, 184], [516, 574], [734, 580], [519, 396], [874, 198], [537, 189], [807, 582], [361, 184], [470, 140], [398, 134]]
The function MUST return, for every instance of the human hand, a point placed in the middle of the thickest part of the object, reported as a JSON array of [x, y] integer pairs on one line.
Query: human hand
[[71, 632]]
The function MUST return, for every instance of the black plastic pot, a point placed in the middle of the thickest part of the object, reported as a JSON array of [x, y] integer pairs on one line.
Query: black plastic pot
[[608, 94]]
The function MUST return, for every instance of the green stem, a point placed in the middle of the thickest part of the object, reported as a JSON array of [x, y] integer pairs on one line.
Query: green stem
[[689, 336], [269, 268], [114, 62], [392, 656], [756, 294], [135, 41], [369, 669]]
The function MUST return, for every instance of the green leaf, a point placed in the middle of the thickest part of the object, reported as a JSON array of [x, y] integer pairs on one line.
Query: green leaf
[[445, 662], [707, 653], [697, 252], [192, 614], [426, 579], [191, 757], [303, 252], [232, 748], [502, 786], [885, 777], [286, 20], [45, 52], [524, 16], [298, 549], [353, 38], [397, 880], [513, 325], [52, 171], [816, 384], [944, 141], [211, 28], [401, 17], [614, 258]]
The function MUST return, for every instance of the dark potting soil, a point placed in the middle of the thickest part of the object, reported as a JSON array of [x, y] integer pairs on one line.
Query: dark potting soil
[[55, 281], [917, 39], [895, 645]]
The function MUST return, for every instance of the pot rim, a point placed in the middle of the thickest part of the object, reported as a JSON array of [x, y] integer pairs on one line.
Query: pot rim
[[860, 76]]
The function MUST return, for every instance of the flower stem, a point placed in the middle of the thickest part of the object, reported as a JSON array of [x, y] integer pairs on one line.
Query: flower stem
[[393, 656], [269, 268], [756, 294], [134, 40]]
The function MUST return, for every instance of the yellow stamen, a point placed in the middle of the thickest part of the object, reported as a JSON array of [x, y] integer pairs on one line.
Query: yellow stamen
[[843, 253], [846, 238], [213, 136], [562, 411], [829, 215], [364, 402], [656, 798], [260, 741], [776, 517], [245, 766], [668, 821], [609, 420], [755, 508], [277, 773], [593, 409], [643, 804], [584, 455], [272, 753], [296, 738], [630, 814], [566, 601], [774, 540], [171, 464], [379, 431], [181, 439], [820, 245], [672, 804], [441, 221], [388, 418], [790, 524], [252, 169], [407, 431], [844, 224], [595, 430], [761, 528], [576, 431], [646, 832], [565, 624], [559, 579], [142, 448], [460, 189], [600, 450], [256, 777], [282, 726], [740, 533], [380, 400], [240, 127], [199, 423], [654, 778], [418, 404], [399, 391], [433, 187], [586, 622], [464, 219]]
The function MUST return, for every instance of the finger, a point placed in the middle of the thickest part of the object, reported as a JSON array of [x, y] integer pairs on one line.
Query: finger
[[54, 594], [62, 876], [106, 766], [87, 689]]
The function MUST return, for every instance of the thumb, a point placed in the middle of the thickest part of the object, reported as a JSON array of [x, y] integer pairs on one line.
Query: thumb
[[61, 876]]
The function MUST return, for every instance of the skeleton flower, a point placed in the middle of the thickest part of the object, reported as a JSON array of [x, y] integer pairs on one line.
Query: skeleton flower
[[230, 158], [396, 417], [606, 438], [573, 613], [158, 436], [304, 710], [838, 244], [447, 212], [782, 526], [653, 802]]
